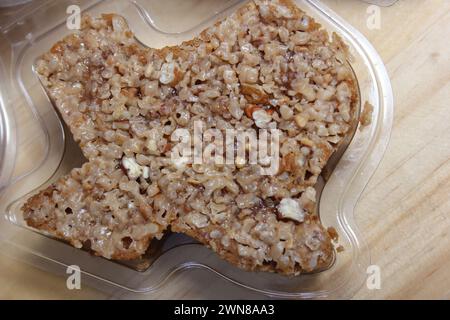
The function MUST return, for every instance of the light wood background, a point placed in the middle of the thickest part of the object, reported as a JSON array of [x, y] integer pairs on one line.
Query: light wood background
[[404, 212]]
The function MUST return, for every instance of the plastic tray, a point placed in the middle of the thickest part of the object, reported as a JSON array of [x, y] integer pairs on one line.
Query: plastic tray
[[35, 151]]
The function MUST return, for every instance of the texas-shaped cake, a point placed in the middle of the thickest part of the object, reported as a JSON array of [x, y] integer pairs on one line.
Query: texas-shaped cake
[[266, 66]]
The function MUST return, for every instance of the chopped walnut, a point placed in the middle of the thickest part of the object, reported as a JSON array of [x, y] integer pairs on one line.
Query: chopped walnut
[[290, 209], [134, 170], [262, 118], [170, 74]]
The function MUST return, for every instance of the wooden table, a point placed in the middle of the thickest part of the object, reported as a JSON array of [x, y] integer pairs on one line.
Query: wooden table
[[405, 210]]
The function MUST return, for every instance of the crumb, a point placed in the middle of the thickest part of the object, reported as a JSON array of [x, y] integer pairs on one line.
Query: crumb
[[333, 233], [366, 115]]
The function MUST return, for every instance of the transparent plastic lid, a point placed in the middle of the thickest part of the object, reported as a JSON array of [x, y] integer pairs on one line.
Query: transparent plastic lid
[[35, 151]]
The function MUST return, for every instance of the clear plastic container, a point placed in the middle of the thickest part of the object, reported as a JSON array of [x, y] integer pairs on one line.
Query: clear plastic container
[[35, 151], [383, 3]]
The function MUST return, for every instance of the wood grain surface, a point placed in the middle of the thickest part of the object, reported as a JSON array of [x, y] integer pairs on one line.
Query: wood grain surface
[[404, 212]]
